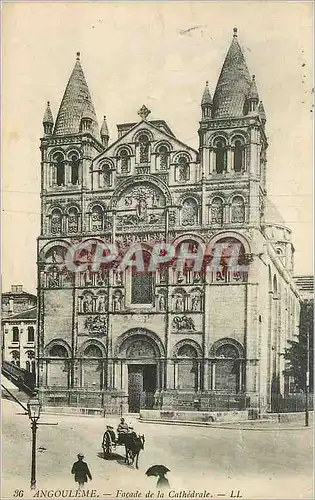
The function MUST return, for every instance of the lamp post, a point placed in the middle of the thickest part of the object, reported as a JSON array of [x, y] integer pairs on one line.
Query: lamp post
[[33, 408]]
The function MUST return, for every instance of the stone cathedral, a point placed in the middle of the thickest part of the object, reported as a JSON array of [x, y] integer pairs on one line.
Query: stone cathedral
[[168, 339]]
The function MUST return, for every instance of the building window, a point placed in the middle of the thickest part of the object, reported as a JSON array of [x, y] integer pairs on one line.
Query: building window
[[163, 158], [28, 366], [30, 334], [73, 220], [15, 334], [239, 156], [220, 157], [15, 358], [74, 169], [97, 218], [107, 175], [238, 210], [182, 169], [217, 211], [56, 221], [124, 159], [144, 148], [60, 169], [141, 288], [189, 212]]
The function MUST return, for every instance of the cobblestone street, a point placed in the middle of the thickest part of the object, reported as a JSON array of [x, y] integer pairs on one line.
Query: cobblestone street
[[267, 464]]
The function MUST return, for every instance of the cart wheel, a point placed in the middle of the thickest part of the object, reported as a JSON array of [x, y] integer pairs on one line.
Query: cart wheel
[[107, 450]]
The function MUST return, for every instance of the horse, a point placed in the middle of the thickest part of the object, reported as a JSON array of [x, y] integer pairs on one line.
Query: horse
[[133, 445]]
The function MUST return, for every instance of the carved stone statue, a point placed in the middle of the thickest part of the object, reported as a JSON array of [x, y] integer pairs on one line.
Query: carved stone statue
[[117, 301], [179, 303], [195, 303], [101, 306], [87, 304], [161, 302]]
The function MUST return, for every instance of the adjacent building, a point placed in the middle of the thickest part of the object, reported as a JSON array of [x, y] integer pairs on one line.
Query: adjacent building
[[169, 338], [19, 328]]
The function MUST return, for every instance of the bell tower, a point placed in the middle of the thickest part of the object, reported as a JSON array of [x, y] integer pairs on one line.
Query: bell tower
[[233, 144]]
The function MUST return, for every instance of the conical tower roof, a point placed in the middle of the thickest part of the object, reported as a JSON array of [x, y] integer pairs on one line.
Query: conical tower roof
[[104, 128], [206, 97], [233, 84], [48, 117], [76, 103]]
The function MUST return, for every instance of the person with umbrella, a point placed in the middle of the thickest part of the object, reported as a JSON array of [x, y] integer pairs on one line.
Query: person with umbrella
[[160, 471]]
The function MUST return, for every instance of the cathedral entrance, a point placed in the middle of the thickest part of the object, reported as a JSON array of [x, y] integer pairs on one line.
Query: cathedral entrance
[[141, 387], [141, 371]]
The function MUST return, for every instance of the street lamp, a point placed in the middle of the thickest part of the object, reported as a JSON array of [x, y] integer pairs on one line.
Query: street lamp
[[33, 408]]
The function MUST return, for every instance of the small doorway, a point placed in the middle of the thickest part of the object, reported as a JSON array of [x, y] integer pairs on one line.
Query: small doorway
[[141, 387]]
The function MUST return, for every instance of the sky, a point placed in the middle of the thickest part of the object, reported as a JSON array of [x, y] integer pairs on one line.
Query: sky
[[135, 53]]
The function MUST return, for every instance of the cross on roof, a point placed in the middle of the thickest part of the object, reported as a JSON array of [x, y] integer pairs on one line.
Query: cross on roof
[[144, 112]]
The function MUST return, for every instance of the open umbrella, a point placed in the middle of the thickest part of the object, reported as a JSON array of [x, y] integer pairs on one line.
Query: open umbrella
[[157, 470]]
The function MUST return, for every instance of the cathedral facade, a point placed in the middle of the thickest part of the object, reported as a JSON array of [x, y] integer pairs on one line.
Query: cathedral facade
[[166, 336]]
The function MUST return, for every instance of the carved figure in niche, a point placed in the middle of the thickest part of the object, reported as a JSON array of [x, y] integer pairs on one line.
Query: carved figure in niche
[[179, 303], [163, 275], [237, 276], [100, 277], [155, 199], [101, 305], [118, 277], [87, 304], [219, 276], [180, 277], [54, 278], [142, 209], [161, 302], [153, 218], [117, 301], [67, 277], [88, 278], [195, 303], [197, 276]]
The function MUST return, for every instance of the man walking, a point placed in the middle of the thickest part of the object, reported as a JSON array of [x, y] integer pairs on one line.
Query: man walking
[[81, 471]]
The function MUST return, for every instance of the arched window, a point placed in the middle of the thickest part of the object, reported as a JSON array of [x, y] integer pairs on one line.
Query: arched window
[[15, 358], [73, 220], [163, 157], [239, 156], [238, 210], [30, 334], [107, 175], [124, 160], [182, 169], [227, 369], [144, 148], [74, 169], [142, 283], [189, 212], [56, 221], [58, 366], [217, 211], [97, 218], [220, 157], [60, 169], [28, 366], [15, 334], [187, 371], [92, 368]]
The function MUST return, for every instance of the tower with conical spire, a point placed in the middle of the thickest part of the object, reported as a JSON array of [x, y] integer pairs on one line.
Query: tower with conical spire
[[104, 133], [233, 141], [48, 120]]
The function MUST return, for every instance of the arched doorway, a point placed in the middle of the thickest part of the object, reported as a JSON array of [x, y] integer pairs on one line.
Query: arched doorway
[[92, 368], [139, 355]]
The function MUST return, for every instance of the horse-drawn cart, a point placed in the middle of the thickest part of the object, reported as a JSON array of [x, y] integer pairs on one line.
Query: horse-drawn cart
[[132, 445]]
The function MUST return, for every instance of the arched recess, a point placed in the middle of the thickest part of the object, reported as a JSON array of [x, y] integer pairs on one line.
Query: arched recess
[[188, 263], [187, 366], [227, 366], [93, 362], [138, 181], [57, 354], [228, 260], [140, 366]]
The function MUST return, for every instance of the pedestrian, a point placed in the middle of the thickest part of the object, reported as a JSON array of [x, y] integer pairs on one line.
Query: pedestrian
[[162, 481], [81, 471]]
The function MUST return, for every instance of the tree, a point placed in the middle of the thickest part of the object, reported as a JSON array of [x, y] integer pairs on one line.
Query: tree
[[296, 353]]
